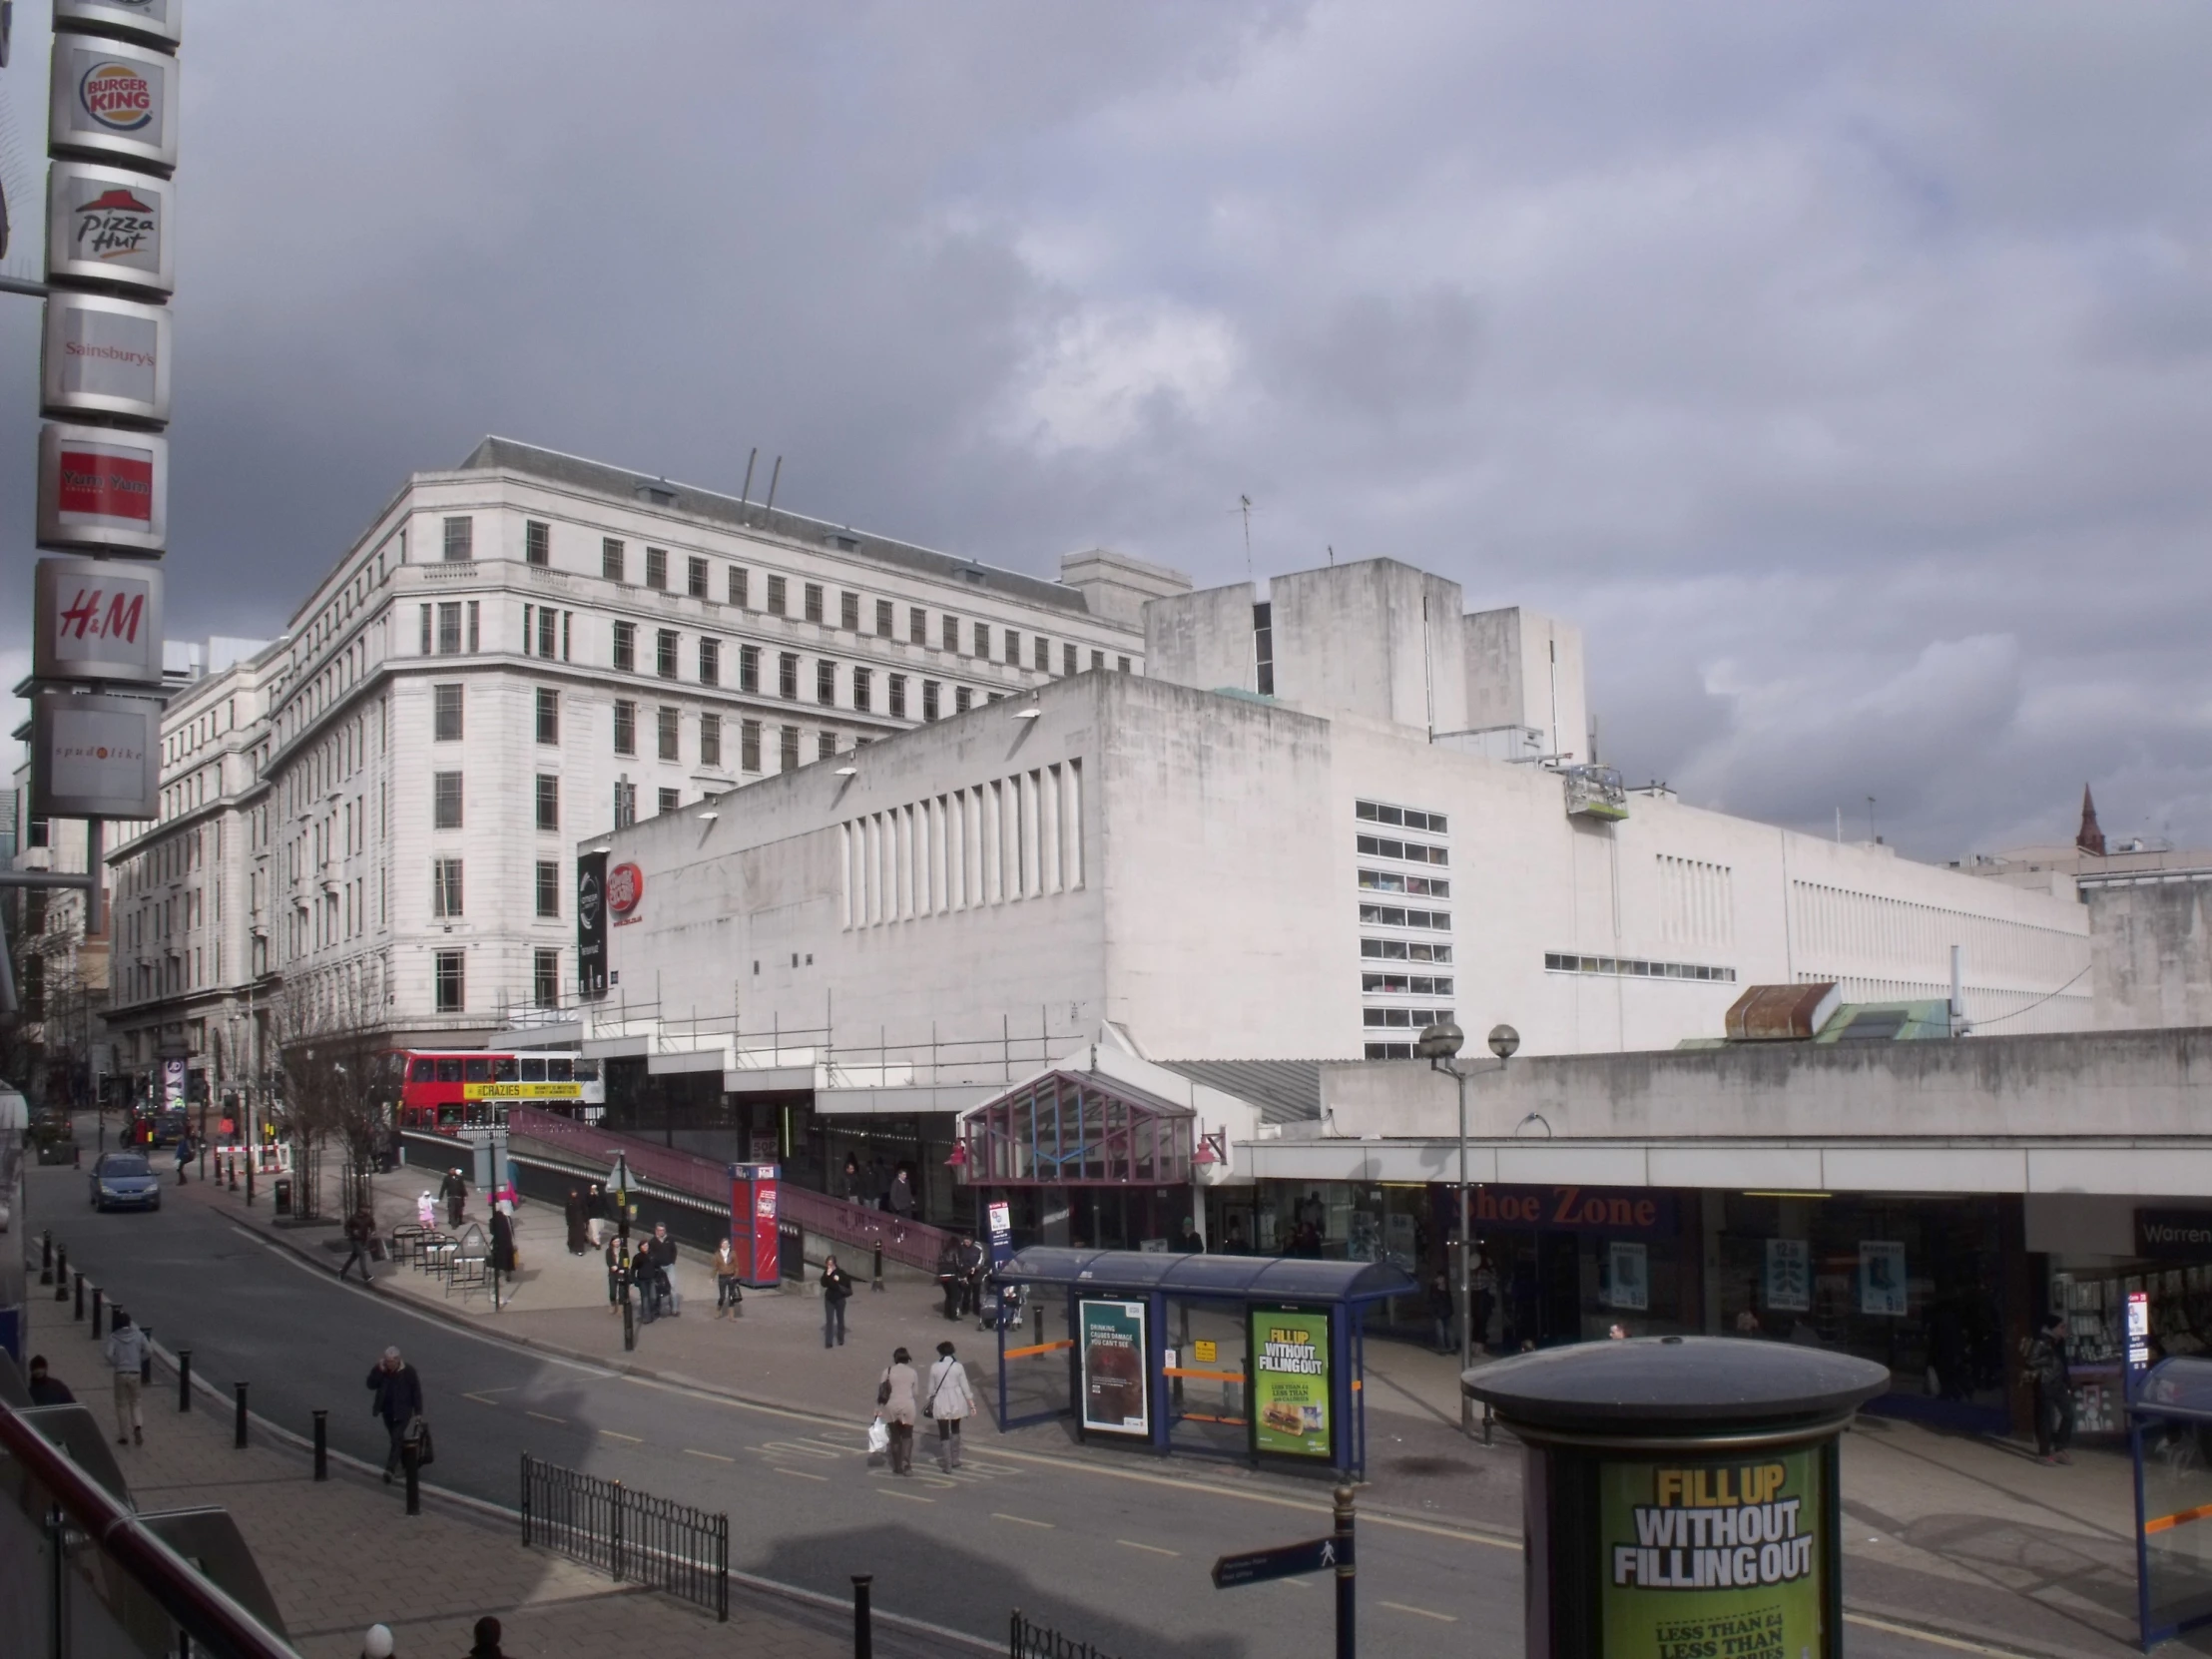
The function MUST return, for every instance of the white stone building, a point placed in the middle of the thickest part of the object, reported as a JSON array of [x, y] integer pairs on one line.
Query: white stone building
[[523, 650]]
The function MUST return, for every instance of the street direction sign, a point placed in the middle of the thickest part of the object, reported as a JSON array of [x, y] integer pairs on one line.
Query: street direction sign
[[1285, 1561]]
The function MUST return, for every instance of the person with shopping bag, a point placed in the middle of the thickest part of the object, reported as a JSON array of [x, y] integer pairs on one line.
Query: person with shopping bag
[[895, 1399], [398, 1401], [948, 1399]]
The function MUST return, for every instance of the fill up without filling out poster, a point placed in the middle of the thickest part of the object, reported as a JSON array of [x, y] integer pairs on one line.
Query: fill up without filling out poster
[[1290, 1381], [1712, 1560]]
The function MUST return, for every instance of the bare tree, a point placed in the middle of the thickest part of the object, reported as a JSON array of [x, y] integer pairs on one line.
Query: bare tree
[[331, 1044]]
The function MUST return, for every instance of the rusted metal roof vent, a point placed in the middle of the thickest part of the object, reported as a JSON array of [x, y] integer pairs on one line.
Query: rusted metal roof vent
[[1782, 1013]]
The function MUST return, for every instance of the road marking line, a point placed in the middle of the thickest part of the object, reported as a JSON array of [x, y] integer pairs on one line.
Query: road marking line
[[694, 1452], [1423, 1612], [480, 1399], [1149, 1549], [801, 1474], [911, 1497], [1920, 1635], [542, 1418], [1023, 1520], [612, 1436], [1294, 1583]]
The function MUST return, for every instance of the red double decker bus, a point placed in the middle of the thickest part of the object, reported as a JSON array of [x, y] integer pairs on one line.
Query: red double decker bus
[[445, 1091]]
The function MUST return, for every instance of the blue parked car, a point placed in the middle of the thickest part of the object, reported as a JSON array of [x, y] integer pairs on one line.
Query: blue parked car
[[125, 1180]]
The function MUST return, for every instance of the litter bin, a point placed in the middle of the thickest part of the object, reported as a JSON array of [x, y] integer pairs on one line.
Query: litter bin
[[283, 1195], [1680, 1495]]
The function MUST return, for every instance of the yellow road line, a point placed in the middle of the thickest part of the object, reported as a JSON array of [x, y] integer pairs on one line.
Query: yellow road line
[[1022, 1520], [1423, 1612], [1149, 1549], [694, 1452]]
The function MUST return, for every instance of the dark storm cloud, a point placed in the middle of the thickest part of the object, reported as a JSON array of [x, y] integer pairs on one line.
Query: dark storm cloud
[[1842, 369]]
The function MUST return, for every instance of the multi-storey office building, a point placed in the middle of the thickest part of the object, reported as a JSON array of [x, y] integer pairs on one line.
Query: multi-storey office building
[[530, 648]]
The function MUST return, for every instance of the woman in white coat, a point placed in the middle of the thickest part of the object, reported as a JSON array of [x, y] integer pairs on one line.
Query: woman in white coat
[[947, 1399]]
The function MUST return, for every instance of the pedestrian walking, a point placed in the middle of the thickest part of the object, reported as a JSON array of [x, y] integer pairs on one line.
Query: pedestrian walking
[[900, 1200], [836, 1290], [729, 1294], [127, 1359], [397, 1399], [948, 1276], [2055, 1396], [973, 1264], [360, 1226], [848, 1179], [1441, 1311], [184, 1155], [45, 1390], [573, 1213], [427, 1212], [653, 1267], [503, 1257], [950, 1400], [487, 1635], [617, 1273], [454, 1190], [595, 1215], [896, 1400]]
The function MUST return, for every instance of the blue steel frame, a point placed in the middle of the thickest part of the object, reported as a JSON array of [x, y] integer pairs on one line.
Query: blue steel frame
[[2138, 1415]]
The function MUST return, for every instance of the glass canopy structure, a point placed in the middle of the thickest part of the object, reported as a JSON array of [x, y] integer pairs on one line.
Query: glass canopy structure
[[1071, 1129]]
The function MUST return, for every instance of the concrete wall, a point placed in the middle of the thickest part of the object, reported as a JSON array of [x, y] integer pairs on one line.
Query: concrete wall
[[1203, 638], [1378, 639], [2151, 943], [1116, 586], [1527, 669]]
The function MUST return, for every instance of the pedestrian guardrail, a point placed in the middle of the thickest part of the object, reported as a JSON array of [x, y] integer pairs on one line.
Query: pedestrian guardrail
[[631, 1536], [1040, 1641]]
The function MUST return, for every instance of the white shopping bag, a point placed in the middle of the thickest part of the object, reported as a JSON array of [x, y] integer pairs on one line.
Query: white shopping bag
[[878, 1437]]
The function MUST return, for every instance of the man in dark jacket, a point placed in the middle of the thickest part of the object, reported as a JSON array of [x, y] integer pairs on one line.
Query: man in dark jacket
[[455, 1193], [45, 1390], [2054, 1401], [398, 1401], [360, 1226]]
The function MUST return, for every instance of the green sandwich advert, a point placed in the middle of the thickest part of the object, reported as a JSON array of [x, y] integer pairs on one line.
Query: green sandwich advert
[[1712, 1560], [1290, 1381]]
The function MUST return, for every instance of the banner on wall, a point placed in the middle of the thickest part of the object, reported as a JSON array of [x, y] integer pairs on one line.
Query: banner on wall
[[591, 924], [1789, 1287], [1882, 1277], [1112, 1339], [1291, 1377], [1628, 1276]]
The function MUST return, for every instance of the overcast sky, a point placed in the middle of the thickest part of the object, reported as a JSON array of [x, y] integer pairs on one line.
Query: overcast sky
[[1845, 370]]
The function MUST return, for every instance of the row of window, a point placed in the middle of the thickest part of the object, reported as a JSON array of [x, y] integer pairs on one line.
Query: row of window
[[1627, 969], [449, 981], [1393, 915], [446, 809], [1405, 950], [1417, 1019], [1401, 984], [1375, 811], [1416, 887], [1414, 852], [446, 894]]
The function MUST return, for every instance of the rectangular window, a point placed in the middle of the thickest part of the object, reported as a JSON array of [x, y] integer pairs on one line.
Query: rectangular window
[[626, 803], [848, 612], [1263, 649], [897, 696], [549, 802], [883, 615], [748, 667], [1121, 665], [668, 802], [549, 631], [656, 568], [962, 699], [814, 601], [451, 981], [445, 796], [1098, 659], [787, 675], [740, 587], [626, 647], [537, 542], [545, 977], [1013, 648], [626, 727], [918, 625], [749, 745], [549, 715], [549, 890], [425, 646], [710, 662], [862, 689], [983, 641], [825, 746], [446, 720], [610, 560], [775, 596], [445, 887], [460, 539], [1042, 661], [930, 700], [789, 748], [473, 611], [951, 633], [695, 578], [826, 683], [449, 628], [664, 653], [710, 740], [1067, 660], [1376, 811], [669, 732]]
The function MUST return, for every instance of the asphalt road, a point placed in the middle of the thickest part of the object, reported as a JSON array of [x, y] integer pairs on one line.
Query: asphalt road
[[1116, 1557]]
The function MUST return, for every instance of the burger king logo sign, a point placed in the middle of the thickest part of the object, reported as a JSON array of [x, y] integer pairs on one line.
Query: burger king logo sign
[[625, 890], [118, 96]]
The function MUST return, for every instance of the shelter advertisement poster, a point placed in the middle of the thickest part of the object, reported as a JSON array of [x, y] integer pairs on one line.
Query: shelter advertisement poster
[[1789, 1285], [1115, 1399], [1882, 1277], [1712, 1560], [1290, 1381]]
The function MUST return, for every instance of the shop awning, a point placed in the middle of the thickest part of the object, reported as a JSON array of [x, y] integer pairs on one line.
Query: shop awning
[[1230, 1277]]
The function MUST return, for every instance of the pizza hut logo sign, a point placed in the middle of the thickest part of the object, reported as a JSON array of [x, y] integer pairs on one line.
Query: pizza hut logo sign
[[625, 889], [117, 95], [116, 225]]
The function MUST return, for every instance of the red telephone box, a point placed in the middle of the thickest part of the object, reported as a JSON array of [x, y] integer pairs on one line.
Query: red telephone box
[[752, 1223]]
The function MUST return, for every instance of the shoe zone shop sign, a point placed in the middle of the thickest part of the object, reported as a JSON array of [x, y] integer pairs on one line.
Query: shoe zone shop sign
[[104, 392]]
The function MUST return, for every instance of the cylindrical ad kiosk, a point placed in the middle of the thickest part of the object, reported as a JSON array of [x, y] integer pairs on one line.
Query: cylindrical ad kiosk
[[1680, 1495]]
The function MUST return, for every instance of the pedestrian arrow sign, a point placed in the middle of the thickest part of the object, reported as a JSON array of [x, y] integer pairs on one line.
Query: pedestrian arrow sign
[[1285, 1561]]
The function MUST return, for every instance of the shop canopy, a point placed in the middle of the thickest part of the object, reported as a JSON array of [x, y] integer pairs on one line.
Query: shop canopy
[[1217, 1278], [1075, 1129]]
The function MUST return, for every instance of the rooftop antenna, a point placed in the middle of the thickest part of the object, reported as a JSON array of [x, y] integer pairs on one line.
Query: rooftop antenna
[[1331, 552], [746, 490], [1839, 826], [1871, 835], [1244, 506], [776, 472]]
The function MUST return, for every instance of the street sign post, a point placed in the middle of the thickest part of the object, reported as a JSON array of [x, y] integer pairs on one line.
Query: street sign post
[[1331, 1554]]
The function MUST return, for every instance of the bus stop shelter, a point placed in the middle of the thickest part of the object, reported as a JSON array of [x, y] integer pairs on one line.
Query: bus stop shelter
[[2170, 1438], [1259, 1357]]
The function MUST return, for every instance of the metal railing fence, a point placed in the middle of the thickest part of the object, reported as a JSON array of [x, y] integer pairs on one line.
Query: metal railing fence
[[633, 1537], [1040, 1641]]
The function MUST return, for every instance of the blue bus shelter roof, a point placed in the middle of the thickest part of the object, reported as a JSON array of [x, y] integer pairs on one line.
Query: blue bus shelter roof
[[1229, 1278], [2176, 1387]]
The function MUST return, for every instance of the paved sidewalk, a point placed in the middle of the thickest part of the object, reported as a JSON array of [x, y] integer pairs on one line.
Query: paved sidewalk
[[342, 1554]]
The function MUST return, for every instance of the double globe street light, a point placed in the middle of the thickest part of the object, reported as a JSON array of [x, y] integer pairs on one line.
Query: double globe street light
[[1439, 1045]]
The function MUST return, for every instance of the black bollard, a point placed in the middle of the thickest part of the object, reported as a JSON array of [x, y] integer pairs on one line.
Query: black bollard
[[411, 1465], [184, 1380], [628, 1324], [863, 1625], [323, 1445], [876, 1281], [46, 1258], [96, 1301], [61, 1274], [1348, 1640], [249, 1182], [238, 1427], [80, 1311], [232, 1161]]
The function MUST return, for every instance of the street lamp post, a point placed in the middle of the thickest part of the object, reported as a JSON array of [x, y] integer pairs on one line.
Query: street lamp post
[[1439, 1045]]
